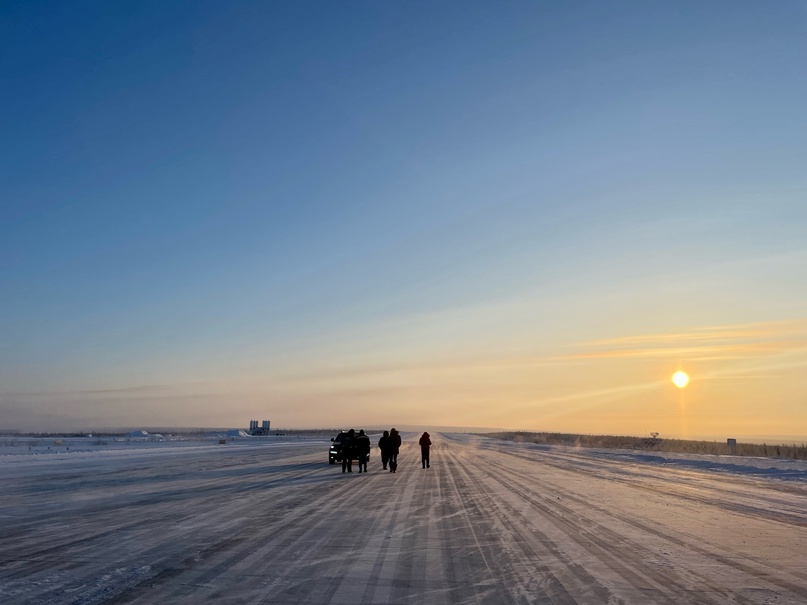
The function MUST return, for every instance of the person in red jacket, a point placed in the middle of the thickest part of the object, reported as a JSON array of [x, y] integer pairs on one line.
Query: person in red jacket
[[425, 444]]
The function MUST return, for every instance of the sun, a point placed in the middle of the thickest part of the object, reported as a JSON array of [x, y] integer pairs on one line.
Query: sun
[[680, 379]]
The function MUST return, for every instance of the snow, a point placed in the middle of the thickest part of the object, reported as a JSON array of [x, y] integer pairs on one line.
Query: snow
[[236, 433], [268, 520], [781, 468]]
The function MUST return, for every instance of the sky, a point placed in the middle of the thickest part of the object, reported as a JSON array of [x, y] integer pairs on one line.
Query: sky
[[521, 215]]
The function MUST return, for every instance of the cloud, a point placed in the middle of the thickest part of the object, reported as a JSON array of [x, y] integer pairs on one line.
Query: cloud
[[704, 344], [146, 389]]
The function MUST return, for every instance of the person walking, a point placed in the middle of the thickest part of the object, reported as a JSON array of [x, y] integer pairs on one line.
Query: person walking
[[383, 445], [394, 449], [347, 451], [362, 450], [425, 444]]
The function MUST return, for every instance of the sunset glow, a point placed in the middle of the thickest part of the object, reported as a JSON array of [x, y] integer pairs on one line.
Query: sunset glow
[[494, 215]]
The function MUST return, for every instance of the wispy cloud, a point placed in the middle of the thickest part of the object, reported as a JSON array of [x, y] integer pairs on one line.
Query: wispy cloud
[[701, 344], [149, 390], [760, 341], [390, 368], [146, 388]]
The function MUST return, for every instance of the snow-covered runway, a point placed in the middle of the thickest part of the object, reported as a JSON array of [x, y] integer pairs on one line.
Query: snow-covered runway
[[489, 522]]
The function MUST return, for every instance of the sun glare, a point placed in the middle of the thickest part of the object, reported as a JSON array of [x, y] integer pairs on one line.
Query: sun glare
[[680, 379]]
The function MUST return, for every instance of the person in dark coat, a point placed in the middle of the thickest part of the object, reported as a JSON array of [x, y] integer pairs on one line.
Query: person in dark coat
[[362, 450], [425, 444], [347, 451], [383, 445], [394, 448]]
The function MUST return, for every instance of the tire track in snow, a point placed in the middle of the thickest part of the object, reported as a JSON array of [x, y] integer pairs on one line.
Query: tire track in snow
[[170, 548], [768, 574], [460, 565], [261, 534], [531, 581], [679, 482], [482, 525], [618, 553]]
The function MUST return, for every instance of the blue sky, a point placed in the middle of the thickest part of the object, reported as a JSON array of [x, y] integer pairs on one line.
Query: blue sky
[[201, 203]]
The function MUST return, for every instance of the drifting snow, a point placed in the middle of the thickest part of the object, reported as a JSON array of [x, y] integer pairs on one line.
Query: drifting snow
[[270, 521]]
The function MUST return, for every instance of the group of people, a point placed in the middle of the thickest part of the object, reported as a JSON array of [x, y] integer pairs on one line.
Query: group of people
[[389, 444], [358, 446]]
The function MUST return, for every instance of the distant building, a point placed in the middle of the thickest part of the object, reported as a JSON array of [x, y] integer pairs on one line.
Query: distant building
[[255, 429]]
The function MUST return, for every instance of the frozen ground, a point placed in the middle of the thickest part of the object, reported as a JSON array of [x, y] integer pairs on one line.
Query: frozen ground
[[490, 522]]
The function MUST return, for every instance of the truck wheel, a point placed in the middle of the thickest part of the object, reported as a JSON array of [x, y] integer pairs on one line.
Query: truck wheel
[[331, 461]]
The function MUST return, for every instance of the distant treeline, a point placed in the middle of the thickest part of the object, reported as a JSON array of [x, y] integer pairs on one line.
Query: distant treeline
[[187, 432], [796, 452]]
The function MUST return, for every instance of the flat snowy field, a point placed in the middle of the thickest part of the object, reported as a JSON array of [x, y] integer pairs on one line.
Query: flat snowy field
[[490, 522]]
